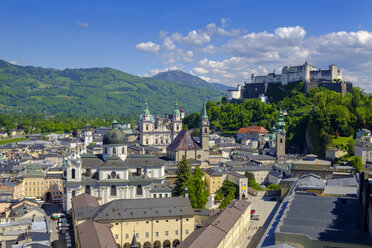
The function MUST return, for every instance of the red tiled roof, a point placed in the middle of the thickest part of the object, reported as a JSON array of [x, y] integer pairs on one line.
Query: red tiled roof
[[253, 129]]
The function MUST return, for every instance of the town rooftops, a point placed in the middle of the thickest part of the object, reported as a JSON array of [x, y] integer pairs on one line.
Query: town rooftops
[[253, 129], [184, 141]]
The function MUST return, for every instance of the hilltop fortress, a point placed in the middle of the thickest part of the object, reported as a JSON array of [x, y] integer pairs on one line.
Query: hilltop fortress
[[310, 75]]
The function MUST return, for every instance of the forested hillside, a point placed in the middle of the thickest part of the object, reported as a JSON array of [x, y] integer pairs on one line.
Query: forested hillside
[[312, 120], [95, 91]]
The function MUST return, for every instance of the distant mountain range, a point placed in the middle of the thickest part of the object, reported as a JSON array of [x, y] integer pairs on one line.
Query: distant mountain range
[[180, 76], [98, 91]]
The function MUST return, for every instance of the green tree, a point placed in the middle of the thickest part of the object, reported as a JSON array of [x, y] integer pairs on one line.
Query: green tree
[[357, 163], [351, 147], [184, 177], [198, 192], [227, 193], [273, 187]]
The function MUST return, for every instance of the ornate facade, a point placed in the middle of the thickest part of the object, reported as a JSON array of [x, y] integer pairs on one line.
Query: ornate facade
[[114, 174], [158, 133]]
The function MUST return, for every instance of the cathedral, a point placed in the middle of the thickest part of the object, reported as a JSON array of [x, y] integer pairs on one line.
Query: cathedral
[[114, 174], [158, 133], [185, 145]]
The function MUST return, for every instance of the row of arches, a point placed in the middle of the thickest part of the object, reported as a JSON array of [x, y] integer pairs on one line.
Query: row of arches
[[113, 190], [157, 244]]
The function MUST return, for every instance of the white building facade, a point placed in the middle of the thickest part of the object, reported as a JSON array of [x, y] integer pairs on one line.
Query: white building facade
[[114, 174]]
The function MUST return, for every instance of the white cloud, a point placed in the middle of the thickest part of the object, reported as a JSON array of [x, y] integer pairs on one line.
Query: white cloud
[[14, 62], [162, 34], [169, 44], [197, 38], [211, 28], [232, 32], [224, 21], [148, 47], [209, 49], [156, 71], [82, 24], [237, 54], [199, 70]]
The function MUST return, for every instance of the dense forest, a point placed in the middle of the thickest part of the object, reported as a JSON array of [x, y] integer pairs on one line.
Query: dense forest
[[92, 92], [312, 119]]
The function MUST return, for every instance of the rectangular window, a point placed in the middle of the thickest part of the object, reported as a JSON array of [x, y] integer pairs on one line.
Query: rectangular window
[[137, 235], [116, 236], [187, 232], [176, 232], [166, 233], [147, 234], [127, 236], [157, 234]]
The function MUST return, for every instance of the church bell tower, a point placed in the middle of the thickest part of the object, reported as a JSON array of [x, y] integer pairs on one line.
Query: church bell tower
[[204, 132], [280, 136]]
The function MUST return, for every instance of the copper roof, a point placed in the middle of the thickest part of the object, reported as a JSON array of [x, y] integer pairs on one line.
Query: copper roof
[[253, 129], [184, 141]]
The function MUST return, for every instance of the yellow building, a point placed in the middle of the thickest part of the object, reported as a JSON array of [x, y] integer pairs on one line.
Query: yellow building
[[42, 185], [213, 180], [225, 229], [155, 222]]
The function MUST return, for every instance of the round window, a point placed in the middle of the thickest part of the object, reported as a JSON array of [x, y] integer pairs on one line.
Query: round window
[[113, 175]]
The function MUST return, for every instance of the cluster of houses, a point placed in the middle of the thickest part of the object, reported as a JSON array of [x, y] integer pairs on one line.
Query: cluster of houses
[[116, 183]]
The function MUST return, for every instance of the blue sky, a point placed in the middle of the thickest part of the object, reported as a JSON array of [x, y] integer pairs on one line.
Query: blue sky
[[222, 41]]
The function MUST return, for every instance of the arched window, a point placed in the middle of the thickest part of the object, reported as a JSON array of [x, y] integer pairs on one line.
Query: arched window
[[114, 150], [178, 127], [113, 175], [73, 173], [87, 189], [73, 193], [122, 150], [105, 150], [113, 190], [281, 140], [139, 189]]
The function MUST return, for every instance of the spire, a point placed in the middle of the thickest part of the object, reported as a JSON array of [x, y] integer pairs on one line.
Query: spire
[[114, 124], [134, 243], [280, 124], [146, 110], [204, 111], [176, 109]]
